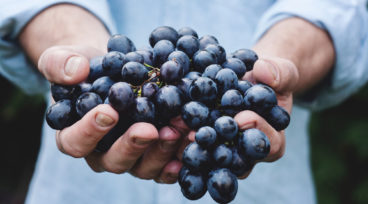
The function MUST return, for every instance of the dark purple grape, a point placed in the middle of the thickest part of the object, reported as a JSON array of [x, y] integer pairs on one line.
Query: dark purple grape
[[60, 114], [193, 75], [218, 50], [59, 91], [187, 31], [86, 102], [121, 97], [211, 71], [204, 90], [226, 79], [134, 57], [188, 44], [81, 88], [161, 51], [163, 33], [171, 71], [236, 65], [248, 57], [147, 56], [196, 158], [144, 110], [149, 90], [226, 128], [239, 166], [243, 86], [232, 102], [120, 43], [253, 144], [134, 73], [102, 86], [222, 156], [181, 58], [112, 63], [95, 68], [193, 185], [206, 137], [278, 118], [184, 171], [222, 185], [184, 85], [195, 114], [202, 59], [168, 102], [206, 40], [260, 99]]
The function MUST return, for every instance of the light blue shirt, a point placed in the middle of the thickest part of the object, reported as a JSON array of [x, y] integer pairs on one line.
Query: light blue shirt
[[237, 24]]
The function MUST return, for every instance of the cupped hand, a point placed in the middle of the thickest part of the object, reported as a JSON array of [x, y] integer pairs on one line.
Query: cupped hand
[[142, 150]]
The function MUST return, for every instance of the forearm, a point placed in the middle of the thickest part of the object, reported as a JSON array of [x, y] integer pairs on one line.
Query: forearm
[[306, 45], [62, 24]]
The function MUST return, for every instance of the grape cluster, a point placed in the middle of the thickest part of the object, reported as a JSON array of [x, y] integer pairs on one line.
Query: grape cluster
[[180, 74]]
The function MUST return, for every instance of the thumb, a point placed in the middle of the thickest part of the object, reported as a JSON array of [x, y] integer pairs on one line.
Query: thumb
[[280, 74], [66, 64]]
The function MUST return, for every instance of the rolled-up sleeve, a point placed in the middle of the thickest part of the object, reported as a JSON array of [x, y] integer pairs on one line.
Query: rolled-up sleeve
[[14, 15], [346, 21]]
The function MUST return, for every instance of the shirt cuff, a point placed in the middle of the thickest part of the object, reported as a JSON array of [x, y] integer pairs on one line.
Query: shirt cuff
[[14, 64], [347, 23]]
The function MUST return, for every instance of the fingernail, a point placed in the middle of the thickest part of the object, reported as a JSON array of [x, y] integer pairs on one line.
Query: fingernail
[[140, 141], [72, 65], [104, 120], [168, 145]]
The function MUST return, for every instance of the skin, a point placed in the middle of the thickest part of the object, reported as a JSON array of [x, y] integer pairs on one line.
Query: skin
[[290, 49]]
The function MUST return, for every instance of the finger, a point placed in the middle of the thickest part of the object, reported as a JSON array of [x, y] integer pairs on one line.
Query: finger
[[155, 158], [249, 119], [125, 151], [82, 137], [179, 125], [66, 64], [183, 144], [282, 75], [170, 172]]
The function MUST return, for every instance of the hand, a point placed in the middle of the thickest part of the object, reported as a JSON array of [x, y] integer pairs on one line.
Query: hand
[[281, 75], [141, 150]]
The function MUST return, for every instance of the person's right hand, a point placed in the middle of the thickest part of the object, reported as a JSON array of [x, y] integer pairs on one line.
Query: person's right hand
[[142, 150]]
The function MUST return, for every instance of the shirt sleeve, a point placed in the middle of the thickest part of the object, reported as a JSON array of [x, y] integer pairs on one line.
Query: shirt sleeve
[[14, 15], [346, 21]]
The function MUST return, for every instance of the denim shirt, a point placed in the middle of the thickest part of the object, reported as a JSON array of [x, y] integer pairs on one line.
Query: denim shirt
[[237, 24]]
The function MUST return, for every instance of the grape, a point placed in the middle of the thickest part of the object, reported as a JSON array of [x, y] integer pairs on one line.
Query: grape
[[206, 136], [134, 57], [236, 65], [195, 114], [226, 128], [184, 85], [211, 71], [171, 71], [147, 56], [86, 102], [206, 40], [222, 185], [144, 110], [226, 79], [101, 86], [112, 63], [260, 99], [188, 44], [149, 90], [218, 50], [187, 31], [239, 165], [163, 33], [222, 156], [249, 57], [60, 114], [202, 58], [59, 91], [193, 186], [134, 73], [195, 157], [232, 102], [278, 118], [168, 101], [121, 96], [120, 43], [182, 59], [243, 86], [161, 51], [204, 90], [253, 144], [193, 75], [95, 68]]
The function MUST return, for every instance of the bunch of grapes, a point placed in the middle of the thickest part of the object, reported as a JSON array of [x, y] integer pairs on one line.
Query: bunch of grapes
[[179, 75]]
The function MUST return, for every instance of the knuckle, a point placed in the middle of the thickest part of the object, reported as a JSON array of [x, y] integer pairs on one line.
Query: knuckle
[[116, 169]]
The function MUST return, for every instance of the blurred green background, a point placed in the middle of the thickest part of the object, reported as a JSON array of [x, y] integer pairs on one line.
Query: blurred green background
[[339, 138]]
